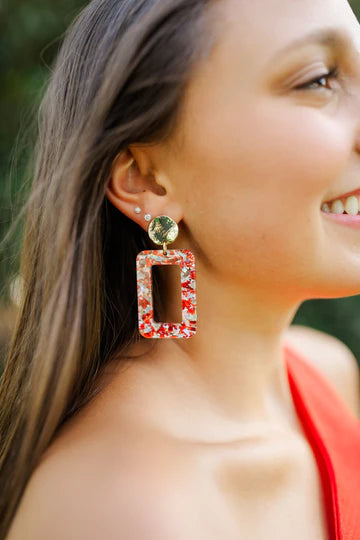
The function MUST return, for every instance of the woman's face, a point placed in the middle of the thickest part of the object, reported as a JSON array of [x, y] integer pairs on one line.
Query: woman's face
[[254, 157]]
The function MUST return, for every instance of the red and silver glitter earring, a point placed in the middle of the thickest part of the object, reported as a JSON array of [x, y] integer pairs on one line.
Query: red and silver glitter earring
[[163, 230]]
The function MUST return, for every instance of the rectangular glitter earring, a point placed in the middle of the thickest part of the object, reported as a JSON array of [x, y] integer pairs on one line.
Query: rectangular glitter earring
[[163, 230]]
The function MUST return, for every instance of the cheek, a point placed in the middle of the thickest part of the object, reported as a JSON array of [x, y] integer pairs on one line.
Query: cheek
[[254, 182], [302, 150], [269, 158], [288, 146]]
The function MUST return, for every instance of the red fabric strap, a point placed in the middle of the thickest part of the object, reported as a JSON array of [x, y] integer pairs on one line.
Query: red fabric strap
[[333, 432]]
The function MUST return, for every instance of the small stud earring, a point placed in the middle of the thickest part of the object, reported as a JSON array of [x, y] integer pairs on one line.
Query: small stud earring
[[137, 210], [147, 217]]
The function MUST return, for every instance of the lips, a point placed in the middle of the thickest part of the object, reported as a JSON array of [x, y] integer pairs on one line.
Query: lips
[[355, 192]]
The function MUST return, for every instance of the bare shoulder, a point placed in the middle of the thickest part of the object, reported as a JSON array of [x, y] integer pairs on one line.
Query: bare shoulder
[[100, 485], [332, 357]]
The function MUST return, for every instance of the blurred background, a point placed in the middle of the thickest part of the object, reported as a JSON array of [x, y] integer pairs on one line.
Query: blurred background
[[30, 35]]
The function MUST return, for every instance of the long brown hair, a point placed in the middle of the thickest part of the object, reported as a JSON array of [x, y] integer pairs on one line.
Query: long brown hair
[[118, 79]]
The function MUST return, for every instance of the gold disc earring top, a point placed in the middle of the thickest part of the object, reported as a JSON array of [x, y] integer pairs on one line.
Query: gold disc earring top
[[163, 230]]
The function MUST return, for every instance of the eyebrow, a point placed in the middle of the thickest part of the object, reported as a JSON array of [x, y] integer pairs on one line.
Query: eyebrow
[[333, 38]]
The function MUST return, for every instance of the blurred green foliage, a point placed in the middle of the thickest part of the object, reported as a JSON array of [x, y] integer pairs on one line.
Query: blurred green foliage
[[30, 34]]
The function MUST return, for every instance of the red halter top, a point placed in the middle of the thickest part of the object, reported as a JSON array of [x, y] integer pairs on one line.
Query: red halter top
[[333, 432]]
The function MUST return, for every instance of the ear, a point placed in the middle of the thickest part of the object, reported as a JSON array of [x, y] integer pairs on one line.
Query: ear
[[133, 184]]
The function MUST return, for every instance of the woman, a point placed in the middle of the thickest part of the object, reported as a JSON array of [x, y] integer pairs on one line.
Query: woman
[[239, 121]]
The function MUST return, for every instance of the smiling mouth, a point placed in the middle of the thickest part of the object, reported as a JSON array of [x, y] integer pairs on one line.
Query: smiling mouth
[[348, 203]]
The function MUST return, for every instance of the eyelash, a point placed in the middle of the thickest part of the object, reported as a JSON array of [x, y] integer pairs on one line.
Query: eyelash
[[332, 74]]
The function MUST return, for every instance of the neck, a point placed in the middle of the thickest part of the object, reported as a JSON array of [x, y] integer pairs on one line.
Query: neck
[[234, 366]]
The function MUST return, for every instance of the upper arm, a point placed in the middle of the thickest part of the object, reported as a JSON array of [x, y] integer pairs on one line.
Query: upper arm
[[59, 505], [48, 510], [332, 357], [37, 516]]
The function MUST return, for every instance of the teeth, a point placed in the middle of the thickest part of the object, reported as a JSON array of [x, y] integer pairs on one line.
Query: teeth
[[325, 208], [337, 207], [350, 205]]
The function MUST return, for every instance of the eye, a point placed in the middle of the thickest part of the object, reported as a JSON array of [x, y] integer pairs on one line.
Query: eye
[[320, 82]]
